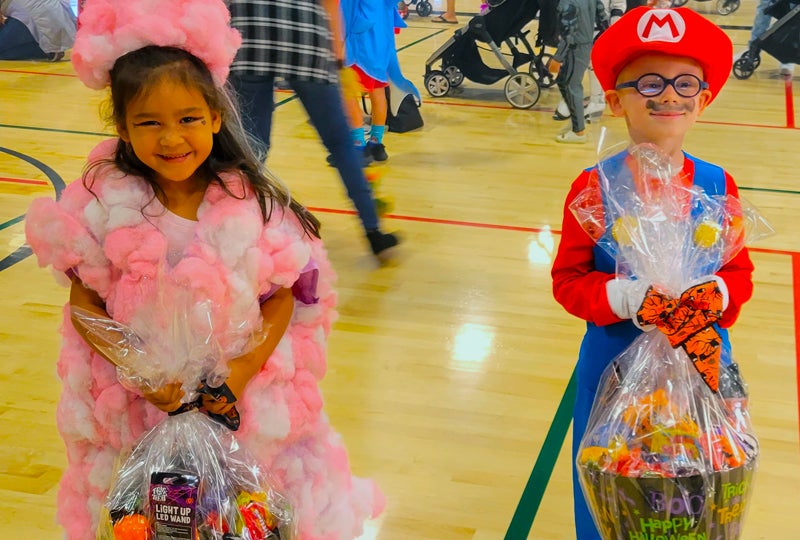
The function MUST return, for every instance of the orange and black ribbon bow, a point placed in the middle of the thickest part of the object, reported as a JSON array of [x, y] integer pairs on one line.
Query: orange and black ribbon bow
[[688, 322]]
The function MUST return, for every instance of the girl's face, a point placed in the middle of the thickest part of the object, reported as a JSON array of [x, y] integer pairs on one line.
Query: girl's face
[[171, 130], [663, 119]]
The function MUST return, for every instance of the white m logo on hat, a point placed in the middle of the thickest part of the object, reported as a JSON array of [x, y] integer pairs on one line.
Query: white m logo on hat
[[661, 25]]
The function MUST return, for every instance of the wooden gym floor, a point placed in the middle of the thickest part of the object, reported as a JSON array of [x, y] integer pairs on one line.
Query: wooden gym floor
[[449, 370]]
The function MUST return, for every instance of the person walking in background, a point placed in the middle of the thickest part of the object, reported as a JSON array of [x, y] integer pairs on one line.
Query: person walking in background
[[301, 42], [597, 98], [36, 29], [577, 21], [370, 51]]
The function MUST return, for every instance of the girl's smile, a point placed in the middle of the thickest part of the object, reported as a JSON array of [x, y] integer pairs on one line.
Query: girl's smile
[[168, 127]]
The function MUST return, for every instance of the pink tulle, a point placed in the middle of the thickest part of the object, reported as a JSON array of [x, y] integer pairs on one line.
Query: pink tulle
[[109, 29], [232, 260]]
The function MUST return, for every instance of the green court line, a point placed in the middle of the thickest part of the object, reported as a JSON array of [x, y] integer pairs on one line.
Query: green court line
[[11, 222], [528, 506], [768, 190], [54, 130], [420, 40]]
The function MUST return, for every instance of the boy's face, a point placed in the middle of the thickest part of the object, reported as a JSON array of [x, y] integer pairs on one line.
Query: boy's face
[[171, 129], [664, 118]]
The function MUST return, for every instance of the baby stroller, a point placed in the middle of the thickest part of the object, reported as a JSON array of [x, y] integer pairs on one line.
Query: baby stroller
[[461, 59], [781, 40], [724, 7], [423, 8]]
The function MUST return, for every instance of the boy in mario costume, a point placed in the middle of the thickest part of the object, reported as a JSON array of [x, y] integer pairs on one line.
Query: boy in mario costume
[[659, 68]]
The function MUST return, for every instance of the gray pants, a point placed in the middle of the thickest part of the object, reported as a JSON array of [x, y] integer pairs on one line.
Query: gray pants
[[570, 82]]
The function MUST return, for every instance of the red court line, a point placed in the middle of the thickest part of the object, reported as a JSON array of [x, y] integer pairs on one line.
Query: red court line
[[789, 102], [549, 110], [497, 226], [24, 181], [38, 73], [795, 256]]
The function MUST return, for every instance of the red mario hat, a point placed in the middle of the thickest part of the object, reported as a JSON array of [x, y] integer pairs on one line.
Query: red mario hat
[[676, 32]]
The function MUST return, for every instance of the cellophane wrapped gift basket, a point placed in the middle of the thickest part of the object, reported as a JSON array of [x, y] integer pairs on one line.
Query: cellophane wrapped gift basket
[[669, 451], [187, 478]]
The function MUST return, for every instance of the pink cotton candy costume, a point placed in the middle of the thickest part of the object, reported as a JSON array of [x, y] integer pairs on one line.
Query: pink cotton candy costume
[[233, 260]]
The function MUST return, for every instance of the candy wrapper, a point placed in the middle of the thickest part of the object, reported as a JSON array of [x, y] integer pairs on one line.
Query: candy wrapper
[[669, 450]]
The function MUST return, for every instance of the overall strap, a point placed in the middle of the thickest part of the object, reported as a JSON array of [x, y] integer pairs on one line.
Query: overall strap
[[708, 176]]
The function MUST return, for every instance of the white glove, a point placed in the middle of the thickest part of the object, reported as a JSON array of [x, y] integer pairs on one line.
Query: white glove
[[625, 297]]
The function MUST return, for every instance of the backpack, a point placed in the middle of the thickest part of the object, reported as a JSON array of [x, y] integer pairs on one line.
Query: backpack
[[407, 117]]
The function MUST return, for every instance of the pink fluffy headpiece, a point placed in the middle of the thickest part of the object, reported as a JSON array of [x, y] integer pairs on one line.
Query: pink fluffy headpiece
[[109, 29]]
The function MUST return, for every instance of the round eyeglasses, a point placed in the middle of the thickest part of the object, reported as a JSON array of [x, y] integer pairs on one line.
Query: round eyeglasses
[[653, 84]]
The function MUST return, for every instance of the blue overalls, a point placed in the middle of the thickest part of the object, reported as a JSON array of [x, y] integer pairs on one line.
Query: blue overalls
[[601, 344]]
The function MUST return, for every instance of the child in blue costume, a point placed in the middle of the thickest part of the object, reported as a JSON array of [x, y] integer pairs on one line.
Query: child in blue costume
[[369, 29], [659, 68]]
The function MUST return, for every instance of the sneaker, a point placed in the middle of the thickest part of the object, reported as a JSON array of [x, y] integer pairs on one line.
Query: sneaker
[[571, 137], [594, 108], [366, 158], [381, 243], [787, 70], [376, 151], [562, 111]]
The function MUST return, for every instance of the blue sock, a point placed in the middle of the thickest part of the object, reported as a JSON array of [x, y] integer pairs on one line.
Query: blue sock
[[377, 134], [358, 136]]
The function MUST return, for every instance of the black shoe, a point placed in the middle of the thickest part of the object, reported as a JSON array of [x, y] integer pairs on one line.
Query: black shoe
[[376, 151], [380, 242], [366, 158]]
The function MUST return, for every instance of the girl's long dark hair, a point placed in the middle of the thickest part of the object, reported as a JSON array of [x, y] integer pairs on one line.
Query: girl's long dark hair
[[137, 71]]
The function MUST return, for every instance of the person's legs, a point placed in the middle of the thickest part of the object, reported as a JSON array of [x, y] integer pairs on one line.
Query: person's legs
[[256, 102], [17, 43], [761, 21], [449, 15], [597, 101], [570, 83], [379, 105], [323, 102], [580, 63]]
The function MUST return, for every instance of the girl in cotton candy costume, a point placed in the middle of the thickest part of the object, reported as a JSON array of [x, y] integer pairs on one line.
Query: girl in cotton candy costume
[[113, 233]]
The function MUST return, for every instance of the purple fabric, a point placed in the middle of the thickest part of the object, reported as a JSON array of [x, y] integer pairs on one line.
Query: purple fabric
[[304, 289]]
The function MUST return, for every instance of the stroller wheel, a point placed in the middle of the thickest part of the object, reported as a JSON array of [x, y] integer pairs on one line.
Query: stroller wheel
[[744, 67], [522, 91], [539, 71], [437, 83], [454, 75], [424, 8], [726, 7], [679, 3]]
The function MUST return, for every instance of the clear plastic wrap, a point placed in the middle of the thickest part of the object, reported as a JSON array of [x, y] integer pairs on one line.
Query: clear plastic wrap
[[187, 478], [669, 450]]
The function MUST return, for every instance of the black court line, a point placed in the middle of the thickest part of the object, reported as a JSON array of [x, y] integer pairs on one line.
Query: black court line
[[58, 184]]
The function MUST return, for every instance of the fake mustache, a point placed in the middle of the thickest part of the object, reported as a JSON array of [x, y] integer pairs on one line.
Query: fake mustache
[[687, 106]]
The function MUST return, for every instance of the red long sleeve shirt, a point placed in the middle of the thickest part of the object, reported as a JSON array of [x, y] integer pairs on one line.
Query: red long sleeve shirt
[[581, 289]]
